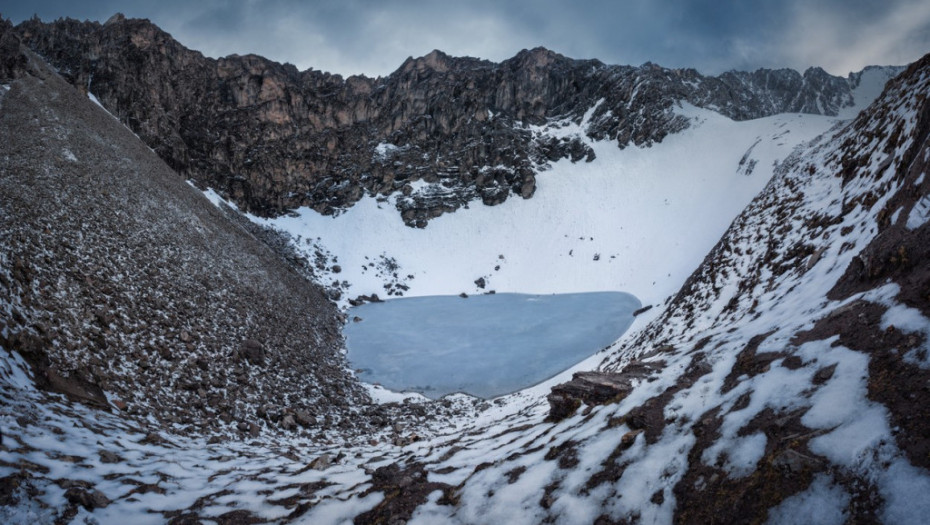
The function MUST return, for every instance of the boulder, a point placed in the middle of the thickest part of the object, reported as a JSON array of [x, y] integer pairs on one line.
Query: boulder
[[596, 388]]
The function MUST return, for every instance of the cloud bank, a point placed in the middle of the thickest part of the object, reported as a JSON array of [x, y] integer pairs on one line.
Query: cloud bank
[[375, 37]]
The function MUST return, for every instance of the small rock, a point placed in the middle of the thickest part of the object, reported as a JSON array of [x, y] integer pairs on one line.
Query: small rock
[[109, 457], [824, 374], [322, 463], [629, 438], [90, 500], [642, 310], [288, 422], [253, 351], [304, 418]]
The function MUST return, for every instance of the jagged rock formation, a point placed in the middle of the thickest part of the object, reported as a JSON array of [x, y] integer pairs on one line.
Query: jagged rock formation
[[273, 138], [117, 276]]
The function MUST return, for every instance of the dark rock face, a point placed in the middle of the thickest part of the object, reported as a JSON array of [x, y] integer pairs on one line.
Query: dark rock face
[[273, 138]]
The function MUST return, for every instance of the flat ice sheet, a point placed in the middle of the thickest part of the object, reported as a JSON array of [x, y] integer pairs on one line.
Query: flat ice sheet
[[485, 345]]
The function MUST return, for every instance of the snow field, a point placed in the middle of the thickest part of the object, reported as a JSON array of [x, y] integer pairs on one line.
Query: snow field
[[648, 215]]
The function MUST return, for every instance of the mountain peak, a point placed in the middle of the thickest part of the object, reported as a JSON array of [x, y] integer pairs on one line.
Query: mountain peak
[[115, 19], [537, 57]]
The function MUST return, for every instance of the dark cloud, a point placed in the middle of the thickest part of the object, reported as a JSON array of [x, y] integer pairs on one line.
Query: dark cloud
[[374, 37]]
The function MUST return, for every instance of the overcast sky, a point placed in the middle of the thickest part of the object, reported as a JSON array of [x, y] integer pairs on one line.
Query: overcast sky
[[375, 37]]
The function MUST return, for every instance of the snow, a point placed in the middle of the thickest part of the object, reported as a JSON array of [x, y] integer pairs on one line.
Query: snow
[[920, 213], [216, 199], [647, 214], [872, 81], [486, 345], [910, 320], [95, 100], [382, 395], [823, 503], [384, 150]]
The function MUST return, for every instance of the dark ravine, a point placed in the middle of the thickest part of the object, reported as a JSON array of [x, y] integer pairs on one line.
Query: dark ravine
[[273, 138]]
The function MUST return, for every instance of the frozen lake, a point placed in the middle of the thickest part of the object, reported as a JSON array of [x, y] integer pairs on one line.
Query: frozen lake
[[485, 345]]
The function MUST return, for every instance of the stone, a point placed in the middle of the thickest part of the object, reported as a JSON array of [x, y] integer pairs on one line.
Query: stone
[[322, 462], [89, 499], [629, 438], [107, 456], [596, 388], [252, 351], [288, 423]]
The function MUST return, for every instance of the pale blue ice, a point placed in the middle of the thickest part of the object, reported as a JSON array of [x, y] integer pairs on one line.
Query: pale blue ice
[[485, 345]]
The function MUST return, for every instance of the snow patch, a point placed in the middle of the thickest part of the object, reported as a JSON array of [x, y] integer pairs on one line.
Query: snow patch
[[385, 150], [823, 503], [920, 213]]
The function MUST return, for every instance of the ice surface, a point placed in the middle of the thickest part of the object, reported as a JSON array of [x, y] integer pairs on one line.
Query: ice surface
[[486, 345]]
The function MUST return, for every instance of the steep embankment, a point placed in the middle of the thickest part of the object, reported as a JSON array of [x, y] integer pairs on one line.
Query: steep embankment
[[118, 277], [272, 138]]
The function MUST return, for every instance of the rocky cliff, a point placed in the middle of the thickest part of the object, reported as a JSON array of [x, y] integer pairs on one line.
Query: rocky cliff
[[273, 138]]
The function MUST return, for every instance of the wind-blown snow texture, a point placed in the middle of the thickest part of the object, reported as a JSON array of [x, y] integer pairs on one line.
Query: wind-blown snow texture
[[792, 386]]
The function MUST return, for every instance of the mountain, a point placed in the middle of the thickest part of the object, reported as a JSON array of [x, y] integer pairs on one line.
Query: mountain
[[273, 139], [164, 360], [124, 287]]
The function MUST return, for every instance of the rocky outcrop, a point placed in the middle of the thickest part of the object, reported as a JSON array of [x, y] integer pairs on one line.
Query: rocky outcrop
[[437, 133], [596, 388]]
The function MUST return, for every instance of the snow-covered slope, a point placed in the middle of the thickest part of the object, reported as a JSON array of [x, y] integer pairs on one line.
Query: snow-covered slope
[[793, 385], [637, 219]]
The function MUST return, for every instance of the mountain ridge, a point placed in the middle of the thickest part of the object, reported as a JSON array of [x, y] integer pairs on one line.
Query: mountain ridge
[[272, 138]]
